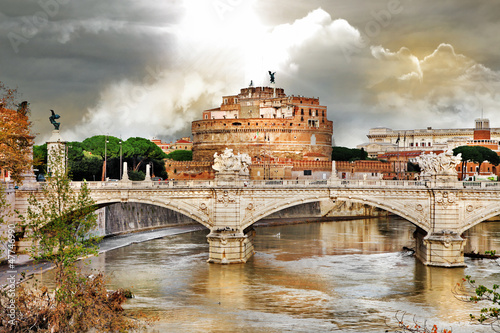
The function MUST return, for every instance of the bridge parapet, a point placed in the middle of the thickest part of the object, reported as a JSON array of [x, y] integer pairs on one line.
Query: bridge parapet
[[441, 212]]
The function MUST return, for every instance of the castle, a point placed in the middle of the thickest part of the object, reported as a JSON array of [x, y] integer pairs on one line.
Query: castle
[[265, 123], [286, 136]]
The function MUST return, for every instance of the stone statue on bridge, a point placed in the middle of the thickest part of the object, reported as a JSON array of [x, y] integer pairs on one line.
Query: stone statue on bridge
[[444, 164], [227, 162]]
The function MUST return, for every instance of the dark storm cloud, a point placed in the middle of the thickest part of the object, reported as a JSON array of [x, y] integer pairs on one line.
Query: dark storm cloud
[[150, 67], [62, 54]]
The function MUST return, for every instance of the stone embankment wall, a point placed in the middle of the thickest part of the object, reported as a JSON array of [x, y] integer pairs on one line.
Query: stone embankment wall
[[130, 217]]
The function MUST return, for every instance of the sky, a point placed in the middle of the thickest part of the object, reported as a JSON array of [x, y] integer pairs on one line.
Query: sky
[[149, 68]]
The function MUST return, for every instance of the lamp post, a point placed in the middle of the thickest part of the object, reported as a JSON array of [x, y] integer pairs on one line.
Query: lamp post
[[105, 158], [120, 159]]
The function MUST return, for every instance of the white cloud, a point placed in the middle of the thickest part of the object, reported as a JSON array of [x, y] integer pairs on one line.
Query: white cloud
[[372, 86]]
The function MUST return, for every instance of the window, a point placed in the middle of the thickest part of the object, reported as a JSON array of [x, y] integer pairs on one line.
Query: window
[[313, 122], [302, 111], [310, 112], [225, 100], [307, 172]]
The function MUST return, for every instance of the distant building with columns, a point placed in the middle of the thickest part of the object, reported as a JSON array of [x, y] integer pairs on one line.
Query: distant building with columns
[[402, 146], [383, 139]]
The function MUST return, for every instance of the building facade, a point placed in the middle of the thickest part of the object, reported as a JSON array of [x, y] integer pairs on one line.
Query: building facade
[[184, 143], [383, 140]]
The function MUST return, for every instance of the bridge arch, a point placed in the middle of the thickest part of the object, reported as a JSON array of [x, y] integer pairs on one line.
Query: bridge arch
[[479, 217], [177, 206], [395, 209], [276, 206]]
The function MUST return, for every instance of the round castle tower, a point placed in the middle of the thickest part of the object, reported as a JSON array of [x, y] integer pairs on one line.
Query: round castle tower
[[264, 122]]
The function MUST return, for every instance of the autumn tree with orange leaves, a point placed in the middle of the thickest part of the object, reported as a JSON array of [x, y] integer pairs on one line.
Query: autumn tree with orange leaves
[[16, 139]]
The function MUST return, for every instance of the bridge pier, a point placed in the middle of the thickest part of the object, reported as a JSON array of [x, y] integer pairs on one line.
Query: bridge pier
[[444, 248], [229, 246]]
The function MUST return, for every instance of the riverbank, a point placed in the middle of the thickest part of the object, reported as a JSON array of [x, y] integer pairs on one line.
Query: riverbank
[[24, 266]]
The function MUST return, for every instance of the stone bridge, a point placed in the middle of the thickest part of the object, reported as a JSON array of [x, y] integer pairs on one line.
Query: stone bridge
[[441, 211]]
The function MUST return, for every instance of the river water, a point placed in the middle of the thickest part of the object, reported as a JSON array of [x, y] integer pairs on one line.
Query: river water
[[340, 276]]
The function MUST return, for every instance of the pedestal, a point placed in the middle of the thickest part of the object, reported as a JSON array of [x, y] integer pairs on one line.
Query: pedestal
[[56, 154], [227, 178], [230, 246], [443, 249]]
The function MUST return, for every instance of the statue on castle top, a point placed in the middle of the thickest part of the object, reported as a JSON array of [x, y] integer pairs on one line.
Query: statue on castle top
[[228, 162], [443, 164], [53, 121], [271, 74]]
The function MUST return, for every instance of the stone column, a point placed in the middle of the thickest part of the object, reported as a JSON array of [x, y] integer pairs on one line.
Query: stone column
[[334, 179], [125, 173], [148, 173], [56, 154]]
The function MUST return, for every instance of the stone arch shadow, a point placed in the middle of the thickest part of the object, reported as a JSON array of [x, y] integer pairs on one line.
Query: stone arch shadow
[[181, 208]]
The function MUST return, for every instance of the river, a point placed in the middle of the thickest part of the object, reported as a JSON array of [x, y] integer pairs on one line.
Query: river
[[340, 276]]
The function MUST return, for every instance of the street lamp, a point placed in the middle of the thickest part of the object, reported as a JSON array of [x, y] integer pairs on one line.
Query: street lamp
[[120, 159], [105, 157]]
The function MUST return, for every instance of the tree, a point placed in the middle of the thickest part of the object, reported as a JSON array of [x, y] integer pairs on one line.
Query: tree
[[142, 151], [15, 135], [181, 155], [15, 142], [348, 154], [60, 222], [476, 154], [136, 151]]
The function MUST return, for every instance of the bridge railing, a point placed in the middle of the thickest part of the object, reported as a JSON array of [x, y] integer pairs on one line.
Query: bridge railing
[[490, 185], [288, 183]]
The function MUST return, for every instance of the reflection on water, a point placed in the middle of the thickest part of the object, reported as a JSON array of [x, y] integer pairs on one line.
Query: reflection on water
[[344, 276]]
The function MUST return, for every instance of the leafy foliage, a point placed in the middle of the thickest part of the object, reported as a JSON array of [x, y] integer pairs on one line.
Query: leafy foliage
[[348, 154], [40, 159], [489, 315], [86, 158], [136, 175], [181, 155], [60, 223], [15, 135], [83, 304]]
